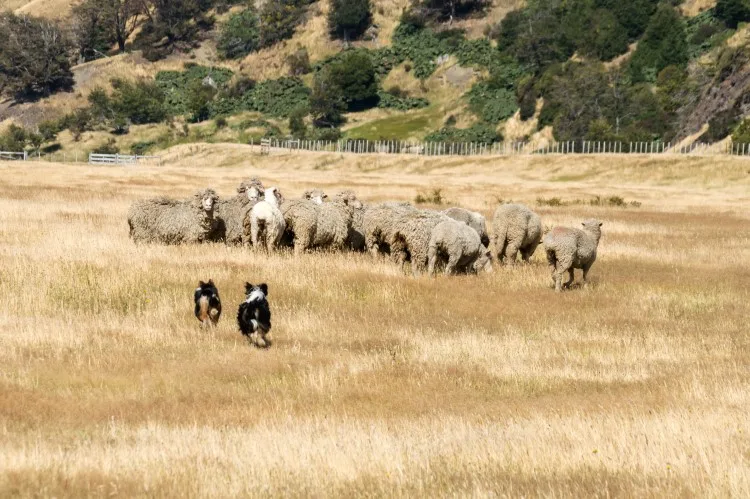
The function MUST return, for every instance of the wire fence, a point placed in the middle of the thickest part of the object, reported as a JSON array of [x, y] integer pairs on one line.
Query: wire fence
[[350, 146]]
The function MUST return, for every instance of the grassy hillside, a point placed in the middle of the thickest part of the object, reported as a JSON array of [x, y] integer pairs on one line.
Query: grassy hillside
[[460, 92]]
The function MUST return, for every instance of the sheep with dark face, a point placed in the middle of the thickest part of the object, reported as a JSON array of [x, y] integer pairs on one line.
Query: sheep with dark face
[[515, 228], [569, 249], [169, 221], [231, 214]]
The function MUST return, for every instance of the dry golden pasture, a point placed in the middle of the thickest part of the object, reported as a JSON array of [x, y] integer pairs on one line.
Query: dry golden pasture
[[378, 384]]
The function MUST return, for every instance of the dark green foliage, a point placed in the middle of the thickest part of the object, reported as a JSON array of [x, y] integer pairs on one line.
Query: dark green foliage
[[297, 126], [33, 57], [240, 35], [175, 84], [664, 43], [140, 102], [478, 53], [354, 74], [348, 19], [278, 98], [400, 101], [732, 12], [705, 32], [173, 25], [741, 134], [278, 19], [490, 103], [49, 129], [479, 133], [15, 139], [101, 23], [327, 104], [198, 98], [420, 45], [141, 148], [447, 10]]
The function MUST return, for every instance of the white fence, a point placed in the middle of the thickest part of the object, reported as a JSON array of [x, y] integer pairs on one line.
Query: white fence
[[13, 156], [120, 159], [503, 148]]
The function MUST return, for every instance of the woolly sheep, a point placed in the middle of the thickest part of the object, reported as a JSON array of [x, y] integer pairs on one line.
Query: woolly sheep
[[335, 220], [267, 221], [411, 238], [301, 218], [515, 228], [315, 195], [462, 247], [231, 214], [569, 249], [378, 225], [356, 238], [473, 219], [168, 221]]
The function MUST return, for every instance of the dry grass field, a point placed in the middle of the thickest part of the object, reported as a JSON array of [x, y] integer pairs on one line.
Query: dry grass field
[[378, 384]]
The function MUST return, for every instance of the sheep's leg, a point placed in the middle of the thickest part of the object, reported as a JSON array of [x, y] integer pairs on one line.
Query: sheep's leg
[[510, 253], [586, 269], [571, 278], [560, 269], [450, 267], [432, 260], [528, 252]]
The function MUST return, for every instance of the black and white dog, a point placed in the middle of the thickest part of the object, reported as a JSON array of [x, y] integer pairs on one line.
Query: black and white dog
[[254, 315], [207, 303]]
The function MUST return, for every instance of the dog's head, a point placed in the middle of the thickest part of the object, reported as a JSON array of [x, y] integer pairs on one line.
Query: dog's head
[[207, 289], [255, 293]]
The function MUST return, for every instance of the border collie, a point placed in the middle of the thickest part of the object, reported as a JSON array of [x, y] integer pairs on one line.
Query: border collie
[[254, 315], [207, 303]]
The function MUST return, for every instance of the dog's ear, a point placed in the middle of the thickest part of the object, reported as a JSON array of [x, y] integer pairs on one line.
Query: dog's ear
[[211, 282], [201, 284], [248, 288], [264, 287]]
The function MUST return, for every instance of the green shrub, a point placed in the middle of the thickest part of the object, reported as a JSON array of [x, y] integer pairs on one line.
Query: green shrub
[[492, 105], [278, 98], [664, 44], [240, 35], [354, 74], [140, 102], [327, 103], [141, 148], [348, 19], [175, 84], [109, 147], [741, 134], [278, 19], [400, 101], [732, 12], [479, 133]]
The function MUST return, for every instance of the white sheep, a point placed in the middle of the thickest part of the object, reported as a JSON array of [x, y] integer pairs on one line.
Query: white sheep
[[460, 246], [515, 228], [168, 221], [473, 219], [266, 221], [411, 238], [378, 225], [231, 214], [569, 249]]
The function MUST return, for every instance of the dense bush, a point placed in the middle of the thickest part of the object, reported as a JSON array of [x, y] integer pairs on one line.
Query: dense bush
[[327, 104], [348, 19], [447, 10], [732, 12], [354, 74], [140, 102], [492, 104], [173, 25], [479, 133], [664, 43], [18, 139], [33, 57], [741, 134], [278, 98], [175, 84], [278, 19], [400, 102], [240, 35]]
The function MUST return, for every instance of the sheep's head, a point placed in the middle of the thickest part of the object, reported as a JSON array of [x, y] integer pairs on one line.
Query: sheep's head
[[253, 188], [315, 195], [273, 196], [593, 227], [207, 200], [349, 199], [484, 262]]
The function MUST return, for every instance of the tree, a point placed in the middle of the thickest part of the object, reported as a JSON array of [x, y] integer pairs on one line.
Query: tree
[[172, 24], [278, 19], [34, 57], [199, 97], [140, 102], [447, 10], [348, 19], [354, 74], [326, 102], [297, 127], [664, 44], [240, 35], [732, 12], [101, 21]]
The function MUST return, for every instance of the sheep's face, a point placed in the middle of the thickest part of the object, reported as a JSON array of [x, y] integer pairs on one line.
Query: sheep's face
[[208, 202], [484, 262], [350, 199], [592, 225], [316, 196], [253, 193]]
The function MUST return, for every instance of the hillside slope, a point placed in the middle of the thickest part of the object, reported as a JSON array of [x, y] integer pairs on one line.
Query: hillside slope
[[470, 78]]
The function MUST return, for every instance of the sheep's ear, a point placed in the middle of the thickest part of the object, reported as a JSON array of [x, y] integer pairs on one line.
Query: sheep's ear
[[264, 287], [325, 196], [248, 288], [583, 223], [601, 223]]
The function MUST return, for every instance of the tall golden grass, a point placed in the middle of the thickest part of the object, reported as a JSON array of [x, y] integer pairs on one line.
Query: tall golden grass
[[378, 384]]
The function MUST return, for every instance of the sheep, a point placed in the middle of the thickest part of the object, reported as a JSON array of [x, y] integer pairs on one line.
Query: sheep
[[334, 221], [378, 225], [168, 221], [301, 218], [356, 237], [515, 228], [232, 213], [462, 247], [411, 238], [266, 221], [473, 219], [569, 249], [315, 195]]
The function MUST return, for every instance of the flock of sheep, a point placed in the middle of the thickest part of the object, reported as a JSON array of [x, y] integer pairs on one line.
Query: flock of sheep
[[456, 238]]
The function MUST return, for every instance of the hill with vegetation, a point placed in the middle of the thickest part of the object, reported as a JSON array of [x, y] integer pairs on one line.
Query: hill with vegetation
[[142, 75]]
